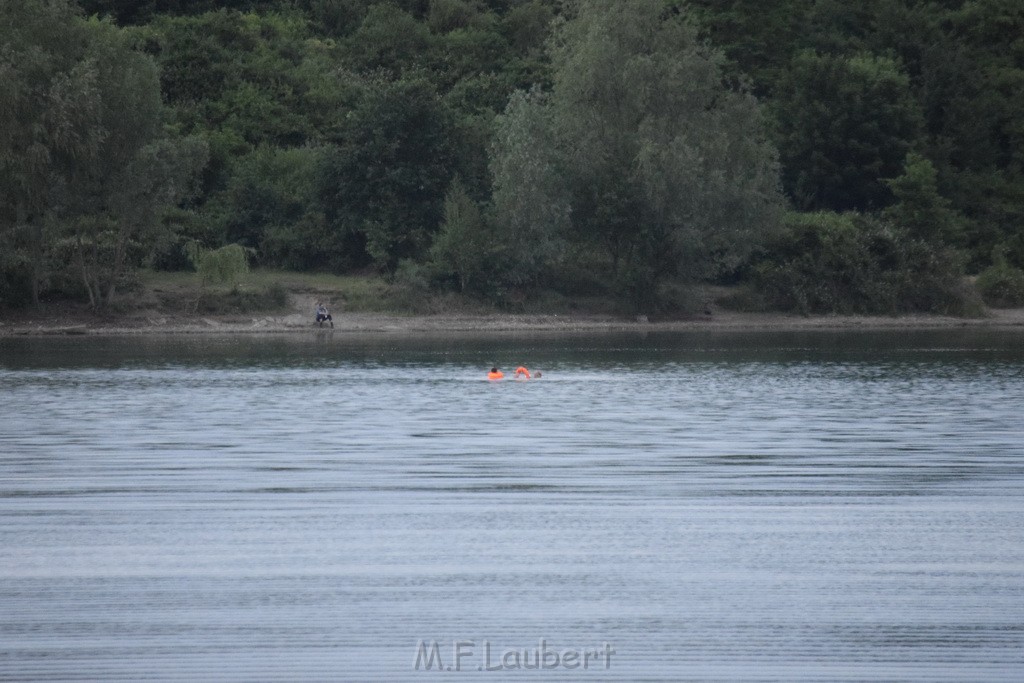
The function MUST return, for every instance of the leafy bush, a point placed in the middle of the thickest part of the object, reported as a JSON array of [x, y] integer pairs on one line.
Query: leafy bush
[[1002, 286], [224, 266], [849, 263]]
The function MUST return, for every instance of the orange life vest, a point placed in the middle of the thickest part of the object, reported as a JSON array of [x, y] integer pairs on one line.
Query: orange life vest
[[522, 371], [495, 375]]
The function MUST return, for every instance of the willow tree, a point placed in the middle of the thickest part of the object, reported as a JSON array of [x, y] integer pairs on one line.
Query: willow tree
[[666, 167]]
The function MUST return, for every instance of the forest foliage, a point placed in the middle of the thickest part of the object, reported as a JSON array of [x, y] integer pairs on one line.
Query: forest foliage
[[835, 156]]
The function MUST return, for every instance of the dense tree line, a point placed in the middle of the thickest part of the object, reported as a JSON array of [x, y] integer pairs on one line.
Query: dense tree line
[[491, 146]]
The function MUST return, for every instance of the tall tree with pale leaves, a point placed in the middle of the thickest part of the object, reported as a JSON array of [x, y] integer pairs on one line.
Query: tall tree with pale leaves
[[665, 166]]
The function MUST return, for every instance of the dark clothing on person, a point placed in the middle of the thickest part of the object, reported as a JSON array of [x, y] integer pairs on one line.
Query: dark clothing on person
[[322, 315]]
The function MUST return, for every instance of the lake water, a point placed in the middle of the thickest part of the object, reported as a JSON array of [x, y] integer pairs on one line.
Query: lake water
[[815, 506]]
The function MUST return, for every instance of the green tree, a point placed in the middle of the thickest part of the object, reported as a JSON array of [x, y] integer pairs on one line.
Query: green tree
[[269, 205], [50, 124], [117, 198], [467, 52], [382, 186], [919, 208], [337, 17], [109, 240], [527, 24], [758, 38], [665, 166], [258, 76], [388, 38], [462, 247], [531, 200], [85, 165], [978, 122], [449, 15], [844, 124], [142, 11]]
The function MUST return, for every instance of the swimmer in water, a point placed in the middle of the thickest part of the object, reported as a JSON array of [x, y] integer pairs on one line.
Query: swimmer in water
[[495, 373], [522, 371]]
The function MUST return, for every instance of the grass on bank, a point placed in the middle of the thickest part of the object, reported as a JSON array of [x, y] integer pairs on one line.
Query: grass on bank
[[273, 291], [282, 292]]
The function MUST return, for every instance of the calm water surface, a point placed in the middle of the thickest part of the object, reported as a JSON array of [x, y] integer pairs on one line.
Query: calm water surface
[[828, 506]]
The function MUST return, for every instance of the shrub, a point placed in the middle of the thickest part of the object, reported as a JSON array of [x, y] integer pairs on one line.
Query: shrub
[[225, 265], [850, 263], [1002, 286]]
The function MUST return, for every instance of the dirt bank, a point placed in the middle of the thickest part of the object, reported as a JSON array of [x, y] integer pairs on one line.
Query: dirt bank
[[141, 322]]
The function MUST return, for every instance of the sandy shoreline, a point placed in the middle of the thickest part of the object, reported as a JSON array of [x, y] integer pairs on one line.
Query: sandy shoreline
[[372, 323]]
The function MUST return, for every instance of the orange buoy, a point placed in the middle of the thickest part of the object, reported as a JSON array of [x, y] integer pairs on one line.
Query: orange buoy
[[522, 371]]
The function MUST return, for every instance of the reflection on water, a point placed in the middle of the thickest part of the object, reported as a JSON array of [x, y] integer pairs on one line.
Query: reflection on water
[[713, 507]]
